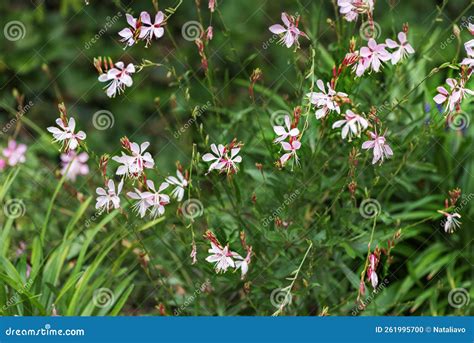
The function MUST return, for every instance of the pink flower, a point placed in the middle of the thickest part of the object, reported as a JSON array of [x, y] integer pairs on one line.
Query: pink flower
[[148, 30], [74, 164], [133, 165], [3, 164], [352, 8], [402, 50], [373, 54], [455, 96], [371, 274], [326, 102], [118, 78], [65, 134], [353, 123], [469, 61], [108, 198], [291, 149], [212, 5], [381, 148], [291, 32], [284, 133], [14, 153], [222, 258], [128, 34]]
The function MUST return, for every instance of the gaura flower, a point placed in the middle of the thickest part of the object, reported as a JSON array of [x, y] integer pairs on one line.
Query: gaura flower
[[403, 48], [221, 257], [133, 165], [143, 203], [455, 96], [291, 31], [371, 274], [243, 263], [74, 164], [352, 8], [158, 199], [129, 34], [148, 30], [108, 198], [223, 159], [14, 153], [283, 132], [373, 55], [65, 134], [118, 78], [291, 149], [379, 145], [469, 61], [353, 123], [325, 101], [180, 182], [452, 222]]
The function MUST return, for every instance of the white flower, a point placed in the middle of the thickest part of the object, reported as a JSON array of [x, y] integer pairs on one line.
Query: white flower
[[380, 146], [157, 199], [221, 257], [373, 55], [65, 134], [353, 123], [284, 133], [325, 101], [108, 198], [217, 158], [455, 96], [128, 34], [134, 164], [452, 222], [221, 160], [181, 183], [242, 263], [403, 49], [74, 164], [119, 78], [469, 61], [143, 202]]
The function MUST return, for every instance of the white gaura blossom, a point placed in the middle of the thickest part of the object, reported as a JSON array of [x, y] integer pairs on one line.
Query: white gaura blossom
[[402, 49], [325, 101], [221, 257], [452, 221], [380, 147], [285, 131], [353, 123], [223, 159], [65, 134], [133, 165], [158, 200], [180, 184], [118, 78], [108, 198]]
